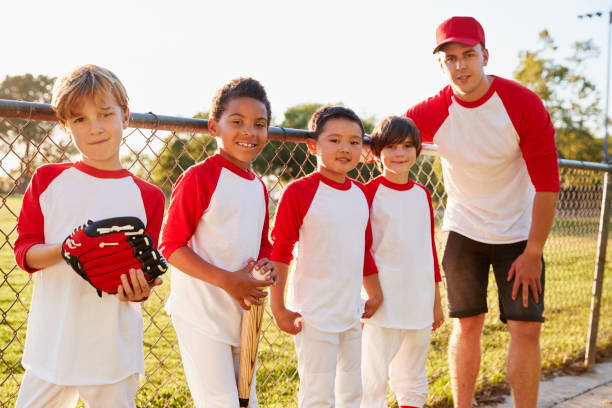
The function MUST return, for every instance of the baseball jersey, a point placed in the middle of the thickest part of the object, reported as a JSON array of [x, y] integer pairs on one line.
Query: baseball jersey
[[75, 337], [404, 252], [496, 153], [330, 223], [220, 211]]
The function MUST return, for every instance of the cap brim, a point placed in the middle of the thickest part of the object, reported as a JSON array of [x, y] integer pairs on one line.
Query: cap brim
[[462, 40]]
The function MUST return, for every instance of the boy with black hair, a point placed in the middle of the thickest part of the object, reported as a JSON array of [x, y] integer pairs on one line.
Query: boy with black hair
[[215, 233], [327, 215]]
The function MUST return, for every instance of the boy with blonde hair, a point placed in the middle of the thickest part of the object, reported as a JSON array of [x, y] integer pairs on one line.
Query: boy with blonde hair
[[77, 343]]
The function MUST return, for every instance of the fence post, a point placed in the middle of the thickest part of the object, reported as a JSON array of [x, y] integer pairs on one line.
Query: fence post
[[602, 243]]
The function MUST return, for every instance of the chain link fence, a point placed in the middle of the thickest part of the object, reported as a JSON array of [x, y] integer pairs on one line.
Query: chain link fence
[[159, 148]]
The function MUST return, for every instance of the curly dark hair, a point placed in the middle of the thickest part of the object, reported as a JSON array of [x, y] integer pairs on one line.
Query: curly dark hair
[[238, 88], [394, 130], [323, 114]]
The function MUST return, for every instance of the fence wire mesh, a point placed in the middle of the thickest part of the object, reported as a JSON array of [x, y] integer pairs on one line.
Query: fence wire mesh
[[160, 156]]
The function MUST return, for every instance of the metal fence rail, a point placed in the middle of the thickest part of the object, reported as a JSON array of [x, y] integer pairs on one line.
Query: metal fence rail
[[158, 148]]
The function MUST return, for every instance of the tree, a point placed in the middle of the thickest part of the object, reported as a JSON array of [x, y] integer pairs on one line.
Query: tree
[[285, 160], [182, 151], [571, 99], [30, 140], [289, 160]]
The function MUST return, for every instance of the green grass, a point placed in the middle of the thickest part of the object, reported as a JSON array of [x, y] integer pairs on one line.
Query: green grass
[[570, 257]]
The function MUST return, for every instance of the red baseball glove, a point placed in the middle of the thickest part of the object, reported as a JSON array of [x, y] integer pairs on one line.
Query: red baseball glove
[[101, 251]]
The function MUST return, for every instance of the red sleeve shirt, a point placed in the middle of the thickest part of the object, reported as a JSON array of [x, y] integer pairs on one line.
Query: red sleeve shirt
[[496, 153], [329, 221]]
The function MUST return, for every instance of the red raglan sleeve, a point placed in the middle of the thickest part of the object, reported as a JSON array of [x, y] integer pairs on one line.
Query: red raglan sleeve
[[434, 252], [369, 266], [536, 132], [265, 248], [154, 202], [190, 197], [31, 222], [429, 114], [290, 212]]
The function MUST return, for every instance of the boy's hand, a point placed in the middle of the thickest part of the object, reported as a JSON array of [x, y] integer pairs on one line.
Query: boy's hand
[[438, 311], [139, 290], [287, 320], [266, 267], [371, 284], [241, 285], [371, 306]]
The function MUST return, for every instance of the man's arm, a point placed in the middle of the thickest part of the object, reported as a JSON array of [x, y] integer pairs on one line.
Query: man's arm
[[527, 268]]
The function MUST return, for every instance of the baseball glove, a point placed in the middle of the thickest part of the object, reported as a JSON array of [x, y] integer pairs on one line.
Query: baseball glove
[[101, 251]]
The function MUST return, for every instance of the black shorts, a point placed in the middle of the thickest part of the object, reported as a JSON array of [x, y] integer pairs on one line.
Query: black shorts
[[466, 265]]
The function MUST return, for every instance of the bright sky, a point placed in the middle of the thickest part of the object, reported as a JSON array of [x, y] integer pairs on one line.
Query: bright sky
[[374, 56]]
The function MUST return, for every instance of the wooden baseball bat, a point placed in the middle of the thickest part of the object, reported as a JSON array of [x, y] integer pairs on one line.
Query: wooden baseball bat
[[249, 340]]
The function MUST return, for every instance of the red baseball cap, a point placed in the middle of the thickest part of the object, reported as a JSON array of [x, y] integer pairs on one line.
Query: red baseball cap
[[464, 30]]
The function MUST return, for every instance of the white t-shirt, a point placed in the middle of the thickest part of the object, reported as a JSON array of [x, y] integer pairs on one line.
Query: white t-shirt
[[221, 212], [405, 253], [330, 223], [75, 337], [496, 153]]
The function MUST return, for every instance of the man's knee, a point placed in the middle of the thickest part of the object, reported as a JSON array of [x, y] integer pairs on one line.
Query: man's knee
[[524, 332], [469, 328]]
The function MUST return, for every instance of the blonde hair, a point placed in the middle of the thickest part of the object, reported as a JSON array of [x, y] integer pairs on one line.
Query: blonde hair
[[82, 82]]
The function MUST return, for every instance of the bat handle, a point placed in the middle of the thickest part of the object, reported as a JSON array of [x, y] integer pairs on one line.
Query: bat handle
[[244, 402]]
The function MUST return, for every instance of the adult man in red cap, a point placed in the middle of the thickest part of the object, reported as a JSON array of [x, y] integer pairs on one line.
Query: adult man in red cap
[[499, 163]]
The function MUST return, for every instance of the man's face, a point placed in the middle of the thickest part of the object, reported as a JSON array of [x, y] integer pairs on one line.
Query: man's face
[[464, 67]]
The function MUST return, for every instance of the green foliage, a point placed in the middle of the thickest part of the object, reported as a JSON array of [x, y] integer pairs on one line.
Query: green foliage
[[289, 160], [286, 160], [182, 151], [292, 160], [571, 98], [32, 142]]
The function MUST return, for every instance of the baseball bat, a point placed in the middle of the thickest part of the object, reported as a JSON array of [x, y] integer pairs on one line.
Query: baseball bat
[[249, 341]]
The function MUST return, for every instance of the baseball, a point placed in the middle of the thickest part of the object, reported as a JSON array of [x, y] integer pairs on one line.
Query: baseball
[[259, 275]]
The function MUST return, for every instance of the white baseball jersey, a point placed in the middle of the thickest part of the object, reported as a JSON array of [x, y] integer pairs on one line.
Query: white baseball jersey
[[220, 211], [330, 223], [75, 337], [405, 253], [496, 153]]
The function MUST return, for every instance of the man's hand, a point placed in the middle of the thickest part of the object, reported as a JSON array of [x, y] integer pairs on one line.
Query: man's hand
[[526, 271], [139, 290]]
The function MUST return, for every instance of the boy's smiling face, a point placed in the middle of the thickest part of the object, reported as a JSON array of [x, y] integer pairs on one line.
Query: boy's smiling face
[[241, 131], [97, 130], [397, 159], [338, 148]]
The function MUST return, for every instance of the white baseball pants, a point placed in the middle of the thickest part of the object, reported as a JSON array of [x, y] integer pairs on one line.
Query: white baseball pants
[[399, 355], [211, 369], [329, 367], [38, 393]]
